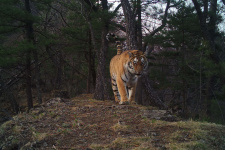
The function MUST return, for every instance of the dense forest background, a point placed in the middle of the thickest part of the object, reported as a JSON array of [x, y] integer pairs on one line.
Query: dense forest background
[[58, 48]]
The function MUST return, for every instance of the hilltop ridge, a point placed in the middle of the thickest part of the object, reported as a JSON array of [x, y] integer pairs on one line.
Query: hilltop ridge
[[84, 123]]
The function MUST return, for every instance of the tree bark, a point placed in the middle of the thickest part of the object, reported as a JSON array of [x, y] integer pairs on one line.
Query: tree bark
[[89, 64], [29, 34], [30, 37], [213, 18], [28, 80], [208, 33], [139, 26], [139, 89], [133, 44], [130, 25], [100, 80], [59, 70], [153, 95], [93, 71], [204, 27], [37, 76]]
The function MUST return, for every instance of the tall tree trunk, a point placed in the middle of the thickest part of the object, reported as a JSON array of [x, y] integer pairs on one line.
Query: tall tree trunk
[[212, 30], [93, 41], [139, 92], [89, 64], [132, 44], [213, 18], [204, 27], [139, 26], [37, 76], [100, 80], [152, 94], [30, 37], [132, 39], [130, 25], [208, 33], [29, 34], [59, 70], [28, 80], [93, 71]]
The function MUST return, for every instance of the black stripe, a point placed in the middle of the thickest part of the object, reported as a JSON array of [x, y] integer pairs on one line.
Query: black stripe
[[115, 90], [129, 72], [113, 80], [114, 84], [123, 80], [134, 78], [125, 76], [127, 91], [130, 67]]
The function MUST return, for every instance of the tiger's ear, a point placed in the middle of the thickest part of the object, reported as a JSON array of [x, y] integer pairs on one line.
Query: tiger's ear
[[130, 54]]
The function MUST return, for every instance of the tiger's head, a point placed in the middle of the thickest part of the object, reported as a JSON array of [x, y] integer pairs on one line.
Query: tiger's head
[[137, 63]]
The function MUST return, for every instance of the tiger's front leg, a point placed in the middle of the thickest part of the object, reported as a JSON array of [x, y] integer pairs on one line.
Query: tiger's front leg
[[132, 91], [122, 91]]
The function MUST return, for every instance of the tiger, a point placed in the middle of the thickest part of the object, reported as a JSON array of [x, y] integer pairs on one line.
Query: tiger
[[125, 69]]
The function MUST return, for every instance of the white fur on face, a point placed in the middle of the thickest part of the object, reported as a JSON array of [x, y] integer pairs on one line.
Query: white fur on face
[[135, 60], [142, 60]]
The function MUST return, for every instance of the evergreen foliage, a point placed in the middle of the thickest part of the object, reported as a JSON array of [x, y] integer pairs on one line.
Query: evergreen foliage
[[185, 66]]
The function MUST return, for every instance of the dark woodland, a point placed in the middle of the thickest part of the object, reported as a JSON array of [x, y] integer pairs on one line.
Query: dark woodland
[[58, 48]]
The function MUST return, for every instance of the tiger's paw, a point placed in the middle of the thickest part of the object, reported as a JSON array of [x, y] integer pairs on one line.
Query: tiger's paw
[[132, 102], [124, 103]]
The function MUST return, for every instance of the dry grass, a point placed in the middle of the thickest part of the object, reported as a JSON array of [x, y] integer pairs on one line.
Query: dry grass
[[120, 127], [184, 135], [82, 121], [197, 135], [134, 143]]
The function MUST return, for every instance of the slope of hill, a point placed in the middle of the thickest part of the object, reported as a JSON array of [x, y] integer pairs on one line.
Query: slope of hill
[[83, 123]]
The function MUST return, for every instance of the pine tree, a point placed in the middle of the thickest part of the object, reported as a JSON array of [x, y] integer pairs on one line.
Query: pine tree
[[186, 63]]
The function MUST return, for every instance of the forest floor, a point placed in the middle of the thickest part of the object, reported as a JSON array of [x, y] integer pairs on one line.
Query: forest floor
[[83, 123]]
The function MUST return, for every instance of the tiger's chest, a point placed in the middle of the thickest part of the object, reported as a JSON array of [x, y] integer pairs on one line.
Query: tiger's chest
[[128, 78]]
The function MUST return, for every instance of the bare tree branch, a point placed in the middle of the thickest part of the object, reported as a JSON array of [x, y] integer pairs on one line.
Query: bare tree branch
[[117, 8], [223, 2], [164, 21], [60, 13]]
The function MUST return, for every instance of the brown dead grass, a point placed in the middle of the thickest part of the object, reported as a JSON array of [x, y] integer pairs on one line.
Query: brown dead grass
[[83, 122]]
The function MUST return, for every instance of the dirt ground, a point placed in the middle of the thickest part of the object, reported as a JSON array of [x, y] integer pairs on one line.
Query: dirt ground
[[83, 123]]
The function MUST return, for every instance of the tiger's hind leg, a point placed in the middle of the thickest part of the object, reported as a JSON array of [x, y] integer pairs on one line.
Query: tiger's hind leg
[[115, 90]]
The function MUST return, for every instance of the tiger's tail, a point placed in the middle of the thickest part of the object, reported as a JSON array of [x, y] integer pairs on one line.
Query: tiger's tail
[[118, 43]]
